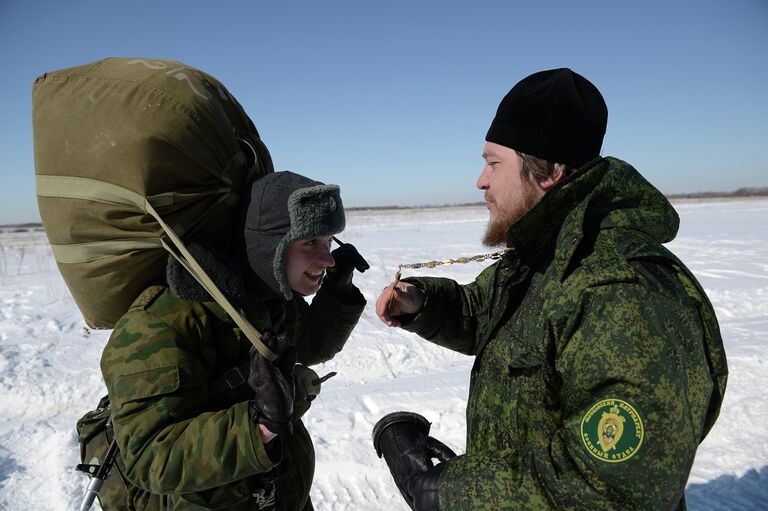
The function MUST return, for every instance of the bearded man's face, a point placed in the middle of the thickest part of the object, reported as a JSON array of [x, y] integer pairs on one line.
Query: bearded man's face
[[507, 193]]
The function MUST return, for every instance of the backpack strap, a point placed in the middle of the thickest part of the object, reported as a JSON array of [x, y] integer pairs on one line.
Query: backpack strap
[[101, 191], [230, 380]]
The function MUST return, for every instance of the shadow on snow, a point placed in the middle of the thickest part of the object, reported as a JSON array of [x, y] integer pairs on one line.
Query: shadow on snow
[[745, 493]]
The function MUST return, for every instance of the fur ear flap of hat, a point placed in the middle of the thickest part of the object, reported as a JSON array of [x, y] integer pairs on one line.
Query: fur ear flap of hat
[[222, 270], [283, 207]]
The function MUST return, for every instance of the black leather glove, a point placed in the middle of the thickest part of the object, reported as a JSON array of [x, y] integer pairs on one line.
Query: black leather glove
[[273, 384], [402, 438], [308, 385], [338, 278], [423, 488]]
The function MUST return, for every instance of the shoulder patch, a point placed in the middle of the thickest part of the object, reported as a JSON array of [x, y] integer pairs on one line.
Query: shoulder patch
[[612, 430]]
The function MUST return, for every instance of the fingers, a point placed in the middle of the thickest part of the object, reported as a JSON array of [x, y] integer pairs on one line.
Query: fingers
[[348, 256], [387, 306], [277, 342], [287, 360], [260, 371], [361, 265], [439, 450], [398, 299]]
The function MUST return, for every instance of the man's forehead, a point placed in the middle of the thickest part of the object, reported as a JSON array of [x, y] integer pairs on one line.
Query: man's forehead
[[491, 150]]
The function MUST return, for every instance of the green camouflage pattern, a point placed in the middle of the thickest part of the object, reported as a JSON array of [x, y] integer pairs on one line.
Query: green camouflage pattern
[[599, 363], [183, 448]]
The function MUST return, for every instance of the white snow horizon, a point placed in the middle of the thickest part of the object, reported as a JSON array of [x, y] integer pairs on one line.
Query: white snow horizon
[[49, 361]]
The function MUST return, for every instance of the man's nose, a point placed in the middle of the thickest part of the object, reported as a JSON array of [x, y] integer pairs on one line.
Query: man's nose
[[482, 181], [326, 258]]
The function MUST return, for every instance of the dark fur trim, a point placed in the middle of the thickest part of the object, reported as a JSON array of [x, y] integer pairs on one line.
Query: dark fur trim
[[222, 270]]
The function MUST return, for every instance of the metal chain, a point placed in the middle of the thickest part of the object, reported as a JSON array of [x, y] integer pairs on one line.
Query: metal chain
[[459, 260]]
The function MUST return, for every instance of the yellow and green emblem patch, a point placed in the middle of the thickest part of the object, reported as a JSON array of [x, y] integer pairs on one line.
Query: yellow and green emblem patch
[[612, 431]]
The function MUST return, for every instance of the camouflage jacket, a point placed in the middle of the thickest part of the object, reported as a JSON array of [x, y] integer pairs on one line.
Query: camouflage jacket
[[183, 447], [599, 364]]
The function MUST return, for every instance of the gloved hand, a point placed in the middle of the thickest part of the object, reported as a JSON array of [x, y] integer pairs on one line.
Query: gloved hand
[[403, 439], [308, 385], [273, 384], [338, 278], [423, 488]]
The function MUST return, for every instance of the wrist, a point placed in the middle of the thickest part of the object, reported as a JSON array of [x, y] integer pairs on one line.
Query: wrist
[[335, 282], [424, 489], [345, 295]]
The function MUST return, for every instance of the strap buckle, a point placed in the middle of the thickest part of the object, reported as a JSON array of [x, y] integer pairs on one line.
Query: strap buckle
[[233, 378]]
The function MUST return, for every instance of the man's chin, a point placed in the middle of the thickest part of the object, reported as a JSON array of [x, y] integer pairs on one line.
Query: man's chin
[[498, 226], [496, 234]]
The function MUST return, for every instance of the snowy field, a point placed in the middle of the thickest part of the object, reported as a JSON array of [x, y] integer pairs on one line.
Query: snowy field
[[49, 372]]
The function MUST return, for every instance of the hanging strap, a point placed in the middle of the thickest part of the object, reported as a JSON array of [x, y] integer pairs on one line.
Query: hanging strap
[[108, 193]]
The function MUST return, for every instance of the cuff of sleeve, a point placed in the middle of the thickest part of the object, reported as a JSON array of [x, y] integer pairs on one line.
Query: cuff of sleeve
[[444, 483], [498, 481]]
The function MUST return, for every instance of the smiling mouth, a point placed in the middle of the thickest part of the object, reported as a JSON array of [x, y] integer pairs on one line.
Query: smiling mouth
[[314, 275]]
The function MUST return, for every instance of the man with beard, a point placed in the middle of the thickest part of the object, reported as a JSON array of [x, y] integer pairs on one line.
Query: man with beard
[[599, 365]]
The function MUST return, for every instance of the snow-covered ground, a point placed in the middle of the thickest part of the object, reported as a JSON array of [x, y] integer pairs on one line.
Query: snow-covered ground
[[49, 371]]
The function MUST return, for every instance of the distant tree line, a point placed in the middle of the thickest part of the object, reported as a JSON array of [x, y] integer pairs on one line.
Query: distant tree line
[[741, 192]]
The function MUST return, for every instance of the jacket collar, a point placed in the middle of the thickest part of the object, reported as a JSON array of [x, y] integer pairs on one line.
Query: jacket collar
[[605, 194], [558, 217]]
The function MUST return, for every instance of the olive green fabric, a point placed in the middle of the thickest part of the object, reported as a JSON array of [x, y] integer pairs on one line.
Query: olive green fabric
[[599, 364], [115, 136], [183, 448], [94, 438]]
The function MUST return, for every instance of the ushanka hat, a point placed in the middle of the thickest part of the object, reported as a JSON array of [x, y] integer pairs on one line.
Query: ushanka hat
[[283, 207], [556, 115]]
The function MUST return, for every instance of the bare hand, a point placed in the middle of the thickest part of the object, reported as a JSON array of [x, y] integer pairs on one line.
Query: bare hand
[[398, 299]]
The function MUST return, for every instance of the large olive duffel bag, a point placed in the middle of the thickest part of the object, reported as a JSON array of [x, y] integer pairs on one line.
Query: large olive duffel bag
[[131, 156]]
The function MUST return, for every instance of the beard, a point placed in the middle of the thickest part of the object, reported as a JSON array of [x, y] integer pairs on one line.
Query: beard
[[498, 225]]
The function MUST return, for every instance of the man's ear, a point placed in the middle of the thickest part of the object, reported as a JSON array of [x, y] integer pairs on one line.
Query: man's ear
[[557, 175]]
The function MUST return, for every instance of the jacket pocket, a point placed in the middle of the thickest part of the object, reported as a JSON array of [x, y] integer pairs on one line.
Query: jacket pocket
[[525, 373]]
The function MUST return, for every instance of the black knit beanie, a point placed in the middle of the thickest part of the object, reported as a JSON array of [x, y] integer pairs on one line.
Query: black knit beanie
[[283, 207], [556, 115]]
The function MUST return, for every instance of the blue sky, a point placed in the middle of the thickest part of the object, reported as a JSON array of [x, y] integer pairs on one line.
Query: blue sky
[[391, 100]]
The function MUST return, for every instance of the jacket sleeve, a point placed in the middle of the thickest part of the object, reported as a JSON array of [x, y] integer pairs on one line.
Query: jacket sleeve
[[452, 313], [325, 326], [634, 380], [157, 390]]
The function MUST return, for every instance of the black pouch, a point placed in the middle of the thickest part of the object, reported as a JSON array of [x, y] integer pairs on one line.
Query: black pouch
[[94, 437]]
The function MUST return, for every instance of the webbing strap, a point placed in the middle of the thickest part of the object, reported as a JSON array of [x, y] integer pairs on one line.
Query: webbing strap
[[186, 260], [69, 187], [86, 252], [230, 380], [100, 191]]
